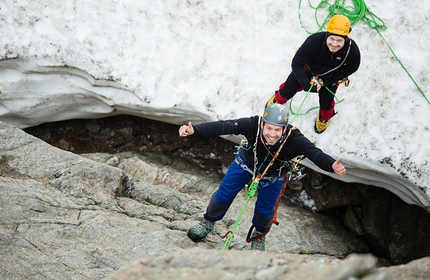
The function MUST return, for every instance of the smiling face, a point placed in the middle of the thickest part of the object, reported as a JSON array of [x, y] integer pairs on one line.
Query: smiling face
[[335, 43], [272, 133]]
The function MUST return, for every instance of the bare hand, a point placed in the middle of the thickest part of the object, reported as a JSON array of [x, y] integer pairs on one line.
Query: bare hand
[[317, 82], [185, 130], [338, 168]]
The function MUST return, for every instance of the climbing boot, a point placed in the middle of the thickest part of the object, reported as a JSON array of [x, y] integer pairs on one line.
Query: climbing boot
[[320, 125], [276, 99], [258, 244], [200, 231], [272, 100]]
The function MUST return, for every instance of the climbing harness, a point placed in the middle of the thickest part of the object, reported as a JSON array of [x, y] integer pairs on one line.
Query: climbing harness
[[251, 189]]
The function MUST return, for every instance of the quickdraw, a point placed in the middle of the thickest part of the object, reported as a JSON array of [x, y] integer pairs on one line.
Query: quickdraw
[[345, 81], [297, 171]]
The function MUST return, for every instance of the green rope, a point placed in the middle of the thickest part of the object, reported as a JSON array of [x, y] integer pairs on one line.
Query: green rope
[[404, 68], [250, 192], [303, 101], [355, 13], [312, 108]]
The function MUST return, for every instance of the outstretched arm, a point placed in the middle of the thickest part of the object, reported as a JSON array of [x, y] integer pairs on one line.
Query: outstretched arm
[[338, 168], [185, 130]]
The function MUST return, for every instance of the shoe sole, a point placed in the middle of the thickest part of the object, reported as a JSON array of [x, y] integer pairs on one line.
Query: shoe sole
[[317, 131], [194, 237]]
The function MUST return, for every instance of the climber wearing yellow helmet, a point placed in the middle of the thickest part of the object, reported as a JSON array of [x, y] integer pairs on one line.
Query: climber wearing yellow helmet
[[322, 61]]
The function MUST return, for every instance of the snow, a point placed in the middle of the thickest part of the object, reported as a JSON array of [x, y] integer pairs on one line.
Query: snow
[[179, 61]]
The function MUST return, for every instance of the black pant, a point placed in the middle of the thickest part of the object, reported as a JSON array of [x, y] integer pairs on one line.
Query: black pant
[[292, 86]]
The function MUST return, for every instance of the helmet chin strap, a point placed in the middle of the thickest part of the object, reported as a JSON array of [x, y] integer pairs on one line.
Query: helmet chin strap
[[263, 140]]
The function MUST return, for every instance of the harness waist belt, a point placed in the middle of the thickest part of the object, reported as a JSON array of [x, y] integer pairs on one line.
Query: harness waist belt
[[243, 166], [246, 168]]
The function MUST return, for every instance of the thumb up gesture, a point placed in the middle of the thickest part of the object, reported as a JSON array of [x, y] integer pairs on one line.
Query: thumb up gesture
[[185, 130], [338, 168]]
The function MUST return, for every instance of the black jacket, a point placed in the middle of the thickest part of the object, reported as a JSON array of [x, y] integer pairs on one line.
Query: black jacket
[[315, 54], [297, 144]]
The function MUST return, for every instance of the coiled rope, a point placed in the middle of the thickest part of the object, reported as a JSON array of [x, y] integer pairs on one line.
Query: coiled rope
[[355, 13]]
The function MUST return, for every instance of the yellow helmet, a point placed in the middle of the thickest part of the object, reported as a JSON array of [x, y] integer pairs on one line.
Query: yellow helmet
[[339, 25]]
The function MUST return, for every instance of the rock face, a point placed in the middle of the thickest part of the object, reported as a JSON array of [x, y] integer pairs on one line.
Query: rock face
[[65, 215], [96, 215], [192, 264]]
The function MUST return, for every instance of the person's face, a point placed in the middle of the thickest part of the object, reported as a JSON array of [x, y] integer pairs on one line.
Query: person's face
[[272, 133], [335, 43]]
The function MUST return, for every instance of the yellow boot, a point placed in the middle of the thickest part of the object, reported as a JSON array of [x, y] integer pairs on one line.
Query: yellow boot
[[272, 100], [276, 98], [320, 125]]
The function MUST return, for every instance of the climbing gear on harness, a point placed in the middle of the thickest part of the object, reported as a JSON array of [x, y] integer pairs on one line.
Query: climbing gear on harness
[[339, 25], [276, 114], [320, 125], [345, 81], [242, 145], [297, 170], [201, 230], [250, 190], [316, 80]]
